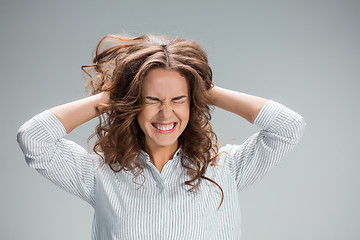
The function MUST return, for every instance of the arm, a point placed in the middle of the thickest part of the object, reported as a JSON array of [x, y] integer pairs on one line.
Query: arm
[[242, 104], [281, 130], [65, 163], [75, 113]]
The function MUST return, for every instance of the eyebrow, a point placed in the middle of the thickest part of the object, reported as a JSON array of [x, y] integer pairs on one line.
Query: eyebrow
[[157, 99]]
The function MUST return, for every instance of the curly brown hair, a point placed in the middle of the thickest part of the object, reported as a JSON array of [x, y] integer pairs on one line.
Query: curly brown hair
[[121, 63]]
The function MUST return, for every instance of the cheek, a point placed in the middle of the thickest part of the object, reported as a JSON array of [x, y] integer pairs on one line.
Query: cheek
[[141, 118], [145, 116], [184, 113]]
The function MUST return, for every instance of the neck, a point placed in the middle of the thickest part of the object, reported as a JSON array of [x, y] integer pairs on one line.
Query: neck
[[159, 154]]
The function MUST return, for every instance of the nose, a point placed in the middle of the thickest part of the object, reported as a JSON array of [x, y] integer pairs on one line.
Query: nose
[[166, 110]]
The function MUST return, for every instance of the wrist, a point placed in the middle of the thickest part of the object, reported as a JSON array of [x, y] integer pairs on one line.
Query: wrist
[[213, 94], [102, 99]]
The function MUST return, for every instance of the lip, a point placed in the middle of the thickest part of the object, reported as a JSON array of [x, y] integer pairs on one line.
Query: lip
[[165, 131]]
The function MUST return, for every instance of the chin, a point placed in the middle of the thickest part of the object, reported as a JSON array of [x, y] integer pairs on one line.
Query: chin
[[165, 143]]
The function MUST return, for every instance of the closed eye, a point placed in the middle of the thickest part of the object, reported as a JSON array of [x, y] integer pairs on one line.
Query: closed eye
[[180, 99], [154, 100], [180, 102], [151, 100]]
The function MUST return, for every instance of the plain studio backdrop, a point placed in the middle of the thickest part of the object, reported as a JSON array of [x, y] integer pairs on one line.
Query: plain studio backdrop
[[303, 54]]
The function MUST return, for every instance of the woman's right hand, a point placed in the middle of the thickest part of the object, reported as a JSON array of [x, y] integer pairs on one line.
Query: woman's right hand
[[75, 113]]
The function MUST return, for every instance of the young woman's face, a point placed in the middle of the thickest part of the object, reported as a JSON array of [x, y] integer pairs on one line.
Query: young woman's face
[[167, 108]]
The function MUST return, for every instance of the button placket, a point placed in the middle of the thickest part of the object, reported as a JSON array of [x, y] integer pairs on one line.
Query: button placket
[[161, 178]]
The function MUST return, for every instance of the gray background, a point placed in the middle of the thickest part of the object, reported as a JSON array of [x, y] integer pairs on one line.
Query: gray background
[[303, 54]]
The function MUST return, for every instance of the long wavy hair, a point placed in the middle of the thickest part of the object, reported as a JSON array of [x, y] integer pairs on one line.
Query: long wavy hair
[[120, 65]]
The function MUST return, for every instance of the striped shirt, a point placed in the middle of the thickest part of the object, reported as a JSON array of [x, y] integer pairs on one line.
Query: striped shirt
[[162, 208]]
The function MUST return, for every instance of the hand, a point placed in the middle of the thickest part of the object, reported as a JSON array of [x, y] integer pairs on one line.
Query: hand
[[212, 92], [103, 101]]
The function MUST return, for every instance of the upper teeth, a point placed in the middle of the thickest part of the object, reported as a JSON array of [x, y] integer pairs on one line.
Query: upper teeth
[[164, 127]]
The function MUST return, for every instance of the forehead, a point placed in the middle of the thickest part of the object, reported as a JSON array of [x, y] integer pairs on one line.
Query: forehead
[[164, 83]]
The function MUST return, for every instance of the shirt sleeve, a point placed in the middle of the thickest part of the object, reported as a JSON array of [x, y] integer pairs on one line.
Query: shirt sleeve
[[282, 129], [65, 163]]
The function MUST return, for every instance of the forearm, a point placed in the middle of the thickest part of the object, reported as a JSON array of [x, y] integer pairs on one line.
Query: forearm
[[245, 105], [75, 113]]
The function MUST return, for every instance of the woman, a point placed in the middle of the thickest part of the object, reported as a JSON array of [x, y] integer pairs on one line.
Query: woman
[[153, 95]]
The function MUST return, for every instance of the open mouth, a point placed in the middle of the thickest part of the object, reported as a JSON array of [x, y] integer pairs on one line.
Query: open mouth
[[164, 127]]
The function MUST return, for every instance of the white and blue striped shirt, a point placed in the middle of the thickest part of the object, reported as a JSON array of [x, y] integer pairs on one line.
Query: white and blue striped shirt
[[162, 208]]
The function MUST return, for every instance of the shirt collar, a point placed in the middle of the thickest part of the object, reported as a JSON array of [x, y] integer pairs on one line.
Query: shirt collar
[[144, 157]]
